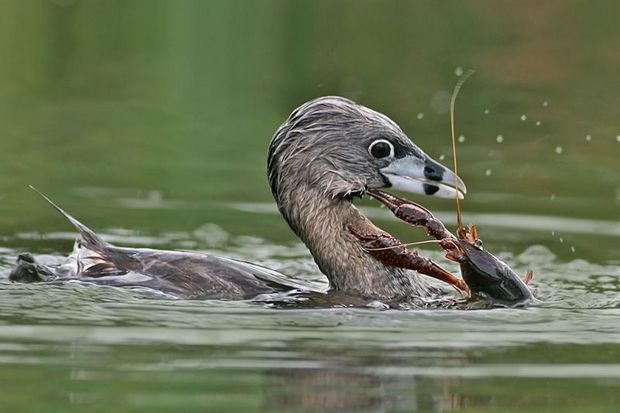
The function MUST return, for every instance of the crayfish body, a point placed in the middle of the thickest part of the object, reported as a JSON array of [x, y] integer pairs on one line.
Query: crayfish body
[[490, 278]]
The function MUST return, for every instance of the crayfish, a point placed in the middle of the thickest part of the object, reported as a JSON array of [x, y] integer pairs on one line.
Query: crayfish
[[484, 275]]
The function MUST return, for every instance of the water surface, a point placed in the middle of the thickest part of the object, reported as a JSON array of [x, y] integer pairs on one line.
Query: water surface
[[149, 121]]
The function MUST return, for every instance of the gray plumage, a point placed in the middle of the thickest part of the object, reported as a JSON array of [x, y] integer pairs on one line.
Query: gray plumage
[[319, 161]]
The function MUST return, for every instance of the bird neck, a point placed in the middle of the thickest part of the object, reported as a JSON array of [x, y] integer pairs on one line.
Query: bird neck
[[321, 222]]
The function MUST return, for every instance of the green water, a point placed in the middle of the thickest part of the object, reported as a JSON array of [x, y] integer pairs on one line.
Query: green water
[[149, 121]]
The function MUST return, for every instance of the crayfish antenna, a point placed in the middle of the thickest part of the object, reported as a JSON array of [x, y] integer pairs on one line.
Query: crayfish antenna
[[457, 88]]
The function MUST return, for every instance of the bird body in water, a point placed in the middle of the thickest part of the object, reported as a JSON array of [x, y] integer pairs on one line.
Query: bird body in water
[[329, 151]]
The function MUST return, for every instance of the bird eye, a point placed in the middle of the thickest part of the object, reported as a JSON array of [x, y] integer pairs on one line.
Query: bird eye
[[478, 244], [381, 148]]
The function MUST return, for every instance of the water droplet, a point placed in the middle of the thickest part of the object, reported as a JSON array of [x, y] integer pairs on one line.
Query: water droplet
[[572, 248], [523, 117], [558, 150], [487, 172], [442, 157], [420, 115], [561, 240], [458, 71], [462, 138], [545, 103], [618, 138], [500, 138], [588, 138], [553, 233], [440, 102], [487, 111], [552, 197], [537, 123]]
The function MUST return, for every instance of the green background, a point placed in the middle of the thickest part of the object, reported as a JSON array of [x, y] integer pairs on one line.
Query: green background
[[150, 120]]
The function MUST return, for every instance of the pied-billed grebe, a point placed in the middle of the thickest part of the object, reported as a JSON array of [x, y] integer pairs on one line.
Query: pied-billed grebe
[[328, 152]]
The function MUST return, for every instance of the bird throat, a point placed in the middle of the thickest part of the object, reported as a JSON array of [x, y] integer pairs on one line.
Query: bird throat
[[321, 222]]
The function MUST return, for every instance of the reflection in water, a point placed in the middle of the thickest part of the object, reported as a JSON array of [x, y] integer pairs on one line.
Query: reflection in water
[[349, 383], [318, 375], [333, 390], [328, 390]]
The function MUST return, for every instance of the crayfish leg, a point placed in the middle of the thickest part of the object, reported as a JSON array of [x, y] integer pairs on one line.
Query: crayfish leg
[[473, 232], [391, 252]]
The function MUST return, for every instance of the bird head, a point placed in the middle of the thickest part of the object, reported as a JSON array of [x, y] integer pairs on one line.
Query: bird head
[[342, 149]]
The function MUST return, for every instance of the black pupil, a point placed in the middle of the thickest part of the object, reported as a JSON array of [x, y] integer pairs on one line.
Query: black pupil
[[380, 149]]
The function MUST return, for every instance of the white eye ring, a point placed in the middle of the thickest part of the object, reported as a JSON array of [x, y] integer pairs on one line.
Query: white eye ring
[[379, 152]]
